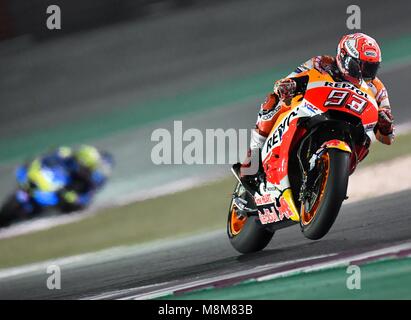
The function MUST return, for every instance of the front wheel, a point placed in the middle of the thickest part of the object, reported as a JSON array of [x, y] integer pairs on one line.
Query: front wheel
[[317, 218], [246, 234]]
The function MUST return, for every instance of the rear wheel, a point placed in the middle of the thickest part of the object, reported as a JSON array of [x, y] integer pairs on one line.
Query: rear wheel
[[246, 234], [317, 217]]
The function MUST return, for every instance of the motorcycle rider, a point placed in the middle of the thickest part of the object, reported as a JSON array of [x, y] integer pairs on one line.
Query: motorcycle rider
[[88, 170], [357, 61]]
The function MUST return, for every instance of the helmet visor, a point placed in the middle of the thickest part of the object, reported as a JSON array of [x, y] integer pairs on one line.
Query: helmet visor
[[352, 66], [361, 69], [369, 70]]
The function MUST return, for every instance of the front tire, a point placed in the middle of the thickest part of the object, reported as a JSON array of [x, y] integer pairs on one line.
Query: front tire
[[246, 235], [333, 193]]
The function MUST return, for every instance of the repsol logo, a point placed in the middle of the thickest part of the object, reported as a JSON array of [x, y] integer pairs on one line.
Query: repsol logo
[[346, 85], [277, 135]]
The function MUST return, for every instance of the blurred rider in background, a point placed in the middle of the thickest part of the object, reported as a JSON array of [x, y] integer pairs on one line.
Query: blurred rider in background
[[88, 169]]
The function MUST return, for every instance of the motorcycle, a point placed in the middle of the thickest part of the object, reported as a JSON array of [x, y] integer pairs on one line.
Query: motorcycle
[[305, 163], [39, 187]]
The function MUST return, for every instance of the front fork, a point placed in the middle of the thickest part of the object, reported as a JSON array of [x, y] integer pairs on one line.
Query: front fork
[[241, 204], [310, 177]]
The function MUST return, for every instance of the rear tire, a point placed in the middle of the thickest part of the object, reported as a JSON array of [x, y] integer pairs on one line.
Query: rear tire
[[252, 236], [334, 194]]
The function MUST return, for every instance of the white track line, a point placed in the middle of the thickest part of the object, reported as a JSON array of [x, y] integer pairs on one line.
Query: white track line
[[119, 294], [111, 254], [338, 262], [113, 294], [315, 267]]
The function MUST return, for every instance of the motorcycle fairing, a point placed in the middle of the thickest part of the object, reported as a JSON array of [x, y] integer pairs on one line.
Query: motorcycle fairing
[[276, 199], [275, 163], [47, 181], [45, 198]]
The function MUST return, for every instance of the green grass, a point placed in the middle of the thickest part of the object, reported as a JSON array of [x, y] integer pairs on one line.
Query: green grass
[[188, 212]]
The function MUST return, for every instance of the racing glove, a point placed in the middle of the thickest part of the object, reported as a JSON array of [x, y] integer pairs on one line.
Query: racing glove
[[385, 121], [285, 88], [385, 129]]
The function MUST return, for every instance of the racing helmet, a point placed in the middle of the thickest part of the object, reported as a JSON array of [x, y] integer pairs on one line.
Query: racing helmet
[[358, 57], [88, 157]]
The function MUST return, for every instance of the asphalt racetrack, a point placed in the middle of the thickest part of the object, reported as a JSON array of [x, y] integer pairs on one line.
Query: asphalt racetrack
[[361, 226]]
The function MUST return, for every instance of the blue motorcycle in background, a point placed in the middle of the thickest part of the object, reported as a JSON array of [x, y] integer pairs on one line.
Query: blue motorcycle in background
[[40, 186]]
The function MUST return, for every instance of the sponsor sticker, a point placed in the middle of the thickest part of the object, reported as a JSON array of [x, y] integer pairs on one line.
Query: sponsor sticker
[[346, 85], [369, 127], [277, 136], [268, 215], [370, 53], [265, 199], [350, 47], [272, 213], [311, 108]]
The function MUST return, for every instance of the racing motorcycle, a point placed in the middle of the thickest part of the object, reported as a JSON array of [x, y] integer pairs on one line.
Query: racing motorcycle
[[305, 163], [39, 186]]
